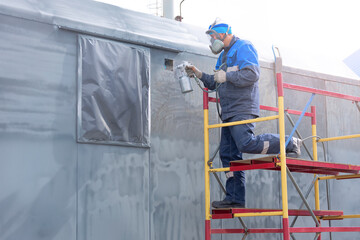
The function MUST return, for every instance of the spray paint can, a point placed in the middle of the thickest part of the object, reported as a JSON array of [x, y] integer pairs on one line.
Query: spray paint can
[[185, 84], [184, 79]]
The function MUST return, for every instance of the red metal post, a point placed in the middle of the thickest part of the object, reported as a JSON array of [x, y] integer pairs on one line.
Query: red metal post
[[207, 230], [286, 233], [313, 117], [205, 100], [280, 84], [319, 237]]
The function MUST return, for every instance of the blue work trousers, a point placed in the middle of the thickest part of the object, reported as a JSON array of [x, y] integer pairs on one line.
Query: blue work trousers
[[239, 139]]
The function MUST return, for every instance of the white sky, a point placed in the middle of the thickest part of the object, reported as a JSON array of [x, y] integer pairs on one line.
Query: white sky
[[311, 34]]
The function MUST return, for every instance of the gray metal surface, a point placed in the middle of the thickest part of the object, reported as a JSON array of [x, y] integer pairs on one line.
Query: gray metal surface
[[344, 121], [55, 188], [113, 192], [38, 155]]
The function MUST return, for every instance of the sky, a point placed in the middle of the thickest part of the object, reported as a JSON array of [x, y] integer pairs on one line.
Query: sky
[[315, 35]]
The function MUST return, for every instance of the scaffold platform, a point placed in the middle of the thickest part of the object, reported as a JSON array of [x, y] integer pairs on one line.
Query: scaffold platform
[[295, 165], [225, 213]]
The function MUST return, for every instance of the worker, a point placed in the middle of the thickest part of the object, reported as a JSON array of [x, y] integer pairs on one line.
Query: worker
[[236, 79]]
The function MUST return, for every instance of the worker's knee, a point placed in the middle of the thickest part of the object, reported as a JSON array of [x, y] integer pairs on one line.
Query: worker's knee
[[249, 145], [245, 146]]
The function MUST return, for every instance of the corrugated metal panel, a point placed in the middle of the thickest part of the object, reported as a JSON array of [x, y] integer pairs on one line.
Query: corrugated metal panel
[[38, 155], [113, 189]]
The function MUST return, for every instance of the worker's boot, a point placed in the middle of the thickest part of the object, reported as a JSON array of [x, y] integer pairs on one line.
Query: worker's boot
[[235, 191], [296, 151], [226, 204]]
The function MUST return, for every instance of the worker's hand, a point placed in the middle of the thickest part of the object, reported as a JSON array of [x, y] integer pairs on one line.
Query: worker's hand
[[191, 70], [220, 76]]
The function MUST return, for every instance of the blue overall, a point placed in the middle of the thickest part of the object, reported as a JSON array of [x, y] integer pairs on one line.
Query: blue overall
[[239, 100]]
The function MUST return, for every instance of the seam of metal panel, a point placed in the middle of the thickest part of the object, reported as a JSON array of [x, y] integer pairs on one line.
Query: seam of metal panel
[[90, 33], [77, 121], [149, 195], [117, 38], [78, 91], [24, 18], [77, 194]]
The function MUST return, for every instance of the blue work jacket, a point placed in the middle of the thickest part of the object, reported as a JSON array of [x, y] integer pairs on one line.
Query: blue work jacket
[[239, 95]]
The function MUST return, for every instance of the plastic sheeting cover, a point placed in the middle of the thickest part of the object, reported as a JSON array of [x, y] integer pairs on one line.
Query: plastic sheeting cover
[[113, 93]]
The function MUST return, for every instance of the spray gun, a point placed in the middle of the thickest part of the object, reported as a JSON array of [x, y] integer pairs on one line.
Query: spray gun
[[184, 79], [185, 82]]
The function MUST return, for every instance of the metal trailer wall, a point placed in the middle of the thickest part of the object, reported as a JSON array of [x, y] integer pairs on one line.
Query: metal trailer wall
[[55, 188]]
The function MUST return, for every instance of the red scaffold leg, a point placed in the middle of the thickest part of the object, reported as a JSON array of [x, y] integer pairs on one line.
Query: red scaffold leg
[[286, 232], [207, 230], [319, 237]]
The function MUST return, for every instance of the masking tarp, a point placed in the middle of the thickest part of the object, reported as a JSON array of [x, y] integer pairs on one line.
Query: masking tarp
[[113, 93]]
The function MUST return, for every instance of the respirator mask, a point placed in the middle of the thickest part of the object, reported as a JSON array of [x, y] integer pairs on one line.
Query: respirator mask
[[217, 44], [216, 41]]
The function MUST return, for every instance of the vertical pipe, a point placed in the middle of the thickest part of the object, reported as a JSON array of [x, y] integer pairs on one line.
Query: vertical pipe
[[168, 9], [206, 166], [315, 156], [278, 69], [207, 230], [286, 232], [180, 11], [318, 235]]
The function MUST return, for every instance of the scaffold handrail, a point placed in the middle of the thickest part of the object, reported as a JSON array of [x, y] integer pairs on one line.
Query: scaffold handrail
[[339, 138], [243, 122], [340, 177], [290, 111], [341, 217], [321, 92]]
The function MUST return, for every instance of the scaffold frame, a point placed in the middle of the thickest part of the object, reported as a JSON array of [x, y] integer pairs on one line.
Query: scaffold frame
[[285, 165]]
